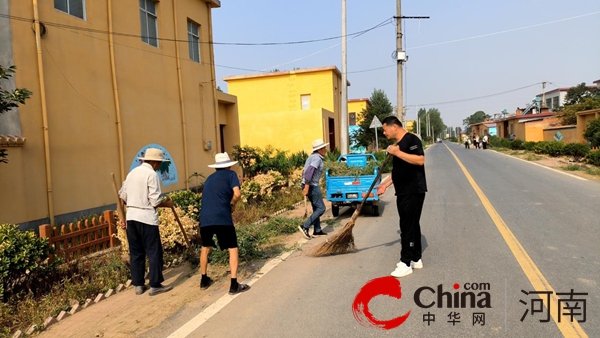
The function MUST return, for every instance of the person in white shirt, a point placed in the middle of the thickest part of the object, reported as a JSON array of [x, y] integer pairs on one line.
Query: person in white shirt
[[141, 193], [485, 141]]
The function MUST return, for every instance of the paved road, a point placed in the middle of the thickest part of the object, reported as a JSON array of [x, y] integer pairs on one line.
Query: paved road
[[542, 234]]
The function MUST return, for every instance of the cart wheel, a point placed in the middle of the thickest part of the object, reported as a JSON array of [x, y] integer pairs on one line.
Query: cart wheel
[[375, 210], [335, 210]]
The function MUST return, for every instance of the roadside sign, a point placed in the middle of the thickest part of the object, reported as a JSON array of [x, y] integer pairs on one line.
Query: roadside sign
[[375, 123], [558, 136]]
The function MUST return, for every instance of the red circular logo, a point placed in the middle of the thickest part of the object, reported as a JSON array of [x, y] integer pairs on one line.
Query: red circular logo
[[383, 286]]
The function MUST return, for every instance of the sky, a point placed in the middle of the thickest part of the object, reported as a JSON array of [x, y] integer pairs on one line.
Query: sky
[[502, 46]]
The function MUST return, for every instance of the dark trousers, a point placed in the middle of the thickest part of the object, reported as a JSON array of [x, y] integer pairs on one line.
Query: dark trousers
[[316, 201], [409, 209], [144, 240], [484, 145]]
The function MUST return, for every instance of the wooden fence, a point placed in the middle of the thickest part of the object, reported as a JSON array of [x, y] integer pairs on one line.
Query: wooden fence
[[82, 238]]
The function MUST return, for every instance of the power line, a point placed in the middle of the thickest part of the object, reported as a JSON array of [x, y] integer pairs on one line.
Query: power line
[[92, 30], [474, 98]]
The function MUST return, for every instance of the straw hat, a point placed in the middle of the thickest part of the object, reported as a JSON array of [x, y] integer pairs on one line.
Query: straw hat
[[222, 160], [318, 144], [153, 154]]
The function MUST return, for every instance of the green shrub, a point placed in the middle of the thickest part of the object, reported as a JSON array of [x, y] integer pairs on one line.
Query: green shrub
[[555, 149], [577, 150], [593, 157], [516, 144], [380, 156], [332, 155], [541, 147], [271, 159], [23, 258], [529, 145], [592, 132], [186, 199], [297, 160]]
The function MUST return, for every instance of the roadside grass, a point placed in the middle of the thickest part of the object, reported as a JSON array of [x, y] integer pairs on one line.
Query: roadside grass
[[591, 170], [533, 157]]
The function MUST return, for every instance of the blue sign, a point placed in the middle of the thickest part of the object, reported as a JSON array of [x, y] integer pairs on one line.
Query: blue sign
[[558, 136], [492, 131], [167, 171]]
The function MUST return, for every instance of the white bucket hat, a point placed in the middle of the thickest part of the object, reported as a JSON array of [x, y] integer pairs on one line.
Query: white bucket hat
[[222, 160], [318, 144], [153, 154]]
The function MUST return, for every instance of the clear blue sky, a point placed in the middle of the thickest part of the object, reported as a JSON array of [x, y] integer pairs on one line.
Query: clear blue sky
[[564, 53]]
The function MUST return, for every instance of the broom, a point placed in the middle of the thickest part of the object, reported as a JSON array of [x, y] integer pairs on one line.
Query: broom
[[343, 241]]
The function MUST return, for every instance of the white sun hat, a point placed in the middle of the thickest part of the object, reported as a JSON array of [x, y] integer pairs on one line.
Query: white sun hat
[[222, 160], [154, 154], [318, 144]]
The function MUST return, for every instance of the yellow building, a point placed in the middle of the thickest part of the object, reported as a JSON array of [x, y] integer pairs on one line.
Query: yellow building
[[108, 80], [288, 109], [356, 108], [410, 124]]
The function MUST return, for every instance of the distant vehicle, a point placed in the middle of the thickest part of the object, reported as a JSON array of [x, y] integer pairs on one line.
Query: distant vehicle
[[349, 190], [439, 140]]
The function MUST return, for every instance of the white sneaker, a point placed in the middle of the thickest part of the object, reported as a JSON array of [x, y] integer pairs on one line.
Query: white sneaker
[[417, 265], [402, 270]]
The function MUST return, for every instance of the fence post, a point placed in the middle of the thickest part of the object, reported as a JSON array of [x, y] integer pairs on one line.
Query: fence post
[[46, 232], [109, 216]]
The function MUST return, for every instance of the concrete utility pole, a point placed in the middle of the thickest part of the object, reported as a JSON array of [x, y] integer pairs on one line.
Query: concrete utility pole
[[543, 95], [401, 58], [344, 110], [399, 63]]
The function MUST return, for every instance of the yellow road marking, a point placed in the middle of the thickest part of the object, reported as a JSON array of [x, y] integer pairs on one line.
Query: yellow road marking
[[532, 272]]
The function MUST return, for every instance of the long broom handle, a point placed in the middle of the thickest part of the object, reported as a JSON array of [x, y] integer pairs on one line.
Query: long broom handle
[[181, 227], [379, 173], [119, 203]]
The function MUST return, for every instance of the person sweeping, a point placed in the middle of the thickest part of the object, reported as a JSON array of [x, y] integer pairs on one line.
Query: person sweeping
[[408, 178]]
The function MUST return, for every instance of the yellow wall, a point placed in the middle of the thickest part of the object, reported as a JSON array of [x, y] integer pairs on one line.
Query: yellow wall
[[569, 133], [409, 125], [270, 105], [81, 104], [357, 106], [582, 120]]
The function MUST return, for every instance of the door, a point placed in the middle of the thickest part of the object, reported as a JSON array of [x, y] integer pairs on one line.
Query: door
[[331, 134]]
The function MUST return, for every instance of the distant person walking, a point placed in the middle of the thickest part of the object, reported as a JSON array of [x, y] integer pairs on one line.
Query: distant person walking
[[220, 194], [311, 175], [141, 193], [484, 142]]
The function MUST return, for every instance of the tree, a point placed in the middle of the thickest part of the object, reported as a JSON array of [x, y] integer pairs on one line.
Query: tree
[[478, 116], [578, 98], [380, 107], [592, 132], [435, 121], [579, 93], [10, 99]]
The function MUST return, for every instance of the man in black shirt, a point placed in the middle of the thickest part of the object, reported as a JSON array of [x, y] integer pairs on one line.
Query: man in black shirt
[[408, 178]]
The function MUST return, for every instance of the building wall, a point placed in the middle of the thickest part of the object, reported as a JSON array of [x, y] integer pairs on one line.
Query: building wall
[[274, 101], [569, 134], [357, 107], [81, 110], [582, 120]]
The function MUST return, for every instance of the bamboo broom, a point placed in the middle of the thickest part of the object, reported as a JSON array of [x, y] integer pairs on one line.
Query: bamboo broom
[[343, 241]]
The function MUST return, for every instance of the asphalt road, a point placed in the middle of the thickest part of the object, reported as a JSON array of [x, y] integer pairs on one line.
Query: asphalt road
[[554, 217]]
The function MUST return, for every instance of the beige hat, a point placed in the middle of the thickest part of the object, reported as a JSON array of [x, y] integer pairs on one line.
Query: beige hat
[[153, 154], [222, 160], [318, 144]]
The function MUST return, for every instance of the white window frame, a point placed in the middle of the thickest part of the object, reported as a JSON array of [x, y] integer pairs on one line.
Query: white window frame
[[69, 10], [149, 15], [305, 105], [191, 41]]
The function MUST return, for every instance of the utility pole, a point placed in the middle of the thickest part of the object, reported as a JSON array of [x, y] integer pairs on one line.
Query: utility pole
[[344, 110], [543, 95], [401, 58]]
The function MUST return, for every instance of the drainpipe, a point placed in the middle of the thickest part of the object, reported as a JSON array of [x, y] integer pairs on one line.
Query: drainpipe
[[213, 76], [181, 104], [113, 73], [38, 43]]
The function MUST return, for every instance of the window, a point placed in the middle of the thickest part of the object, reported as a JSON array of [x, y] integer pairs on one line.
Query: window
[[148, 21], [555, 102], [352, 119], [305, 101], [549, 103], [72, 7], [194, 40]]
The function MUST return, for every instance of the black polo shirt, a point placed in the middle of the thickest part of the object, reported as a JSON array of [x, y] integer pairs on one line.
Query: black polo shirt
[[409, 178]]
